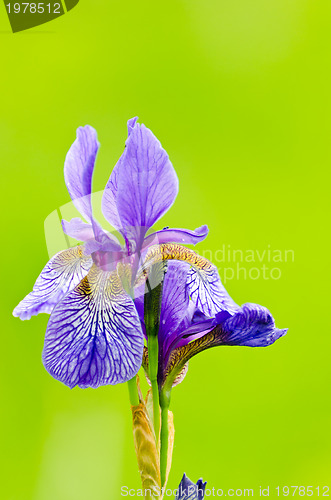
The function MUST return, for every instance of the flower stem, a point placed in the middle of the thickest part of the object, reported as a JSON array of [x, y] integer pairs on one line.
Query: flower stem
[[133, 392], [164, 403], [152, 304], [153, 352]]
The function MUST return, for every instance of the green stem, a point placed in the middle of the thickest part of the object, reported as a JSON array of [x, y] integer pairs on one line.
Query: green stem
[[133, 392], [152, 302], [164, 403], [153, 353]]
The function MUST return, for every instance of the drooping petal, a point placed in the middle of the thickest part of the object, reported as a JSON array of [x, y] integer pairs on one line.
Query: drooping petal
[[194, 331], [78, 169], [252, 326], [194, 326], [188, 490], [182, 236], [78, 229], [142, 186], [60, 275], [94, 335]]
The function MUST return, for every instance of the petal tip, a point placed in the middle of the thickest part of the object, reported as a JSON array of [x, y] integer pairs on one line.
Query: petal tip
[[131, 124], [23, 314], [278, 333]]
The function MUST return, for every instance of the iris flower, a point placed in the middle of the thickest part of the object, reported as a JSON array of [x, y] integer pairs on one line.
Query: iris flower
[[95, 291], [95, 335]]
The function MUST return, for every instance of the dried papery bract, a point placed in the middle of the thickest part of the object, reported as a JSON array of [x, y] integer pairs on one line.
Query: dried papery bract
[[146, 451], [146, 446]]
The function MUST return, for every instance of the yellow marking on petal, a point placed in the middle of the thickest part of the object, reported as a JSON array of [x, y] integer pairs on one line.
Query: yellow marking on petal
[[171, 251], [124, 271], [107, 281], [172, 364], [180, 356], [67, 257]]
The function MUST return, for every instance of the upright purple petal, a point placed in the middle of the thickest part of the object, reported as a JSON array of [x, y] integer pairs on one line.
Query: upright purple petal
[[182, 236], [60, 275], [131, 123], [109, 198], [142, 186], [94, 335], [78, 169]]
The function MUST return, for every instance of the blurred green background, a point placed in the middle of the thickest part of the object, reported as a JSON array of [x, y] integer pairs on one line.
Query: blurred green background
[[239, 95]]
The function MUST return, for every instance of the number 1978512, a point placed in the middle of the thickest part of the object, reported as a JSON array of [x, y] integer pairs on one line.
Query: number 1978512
[[33, 8], [301, 491]]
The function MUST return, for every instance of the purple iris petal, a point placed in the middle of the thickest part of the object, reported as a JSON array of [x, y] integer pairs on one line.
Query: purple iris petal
[[131, 123], [94, 335], [199, 326], [203, 282], [252, 326], [194, 326], [142, 187], [109, 198], [91, 246], [179, 340], [139, 293], [82, 231], [78, 229], [174, 304], [106, 242], [188, 490], [183, 236], [60, 275], [78, 169], [193, 332], [208, 293]]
